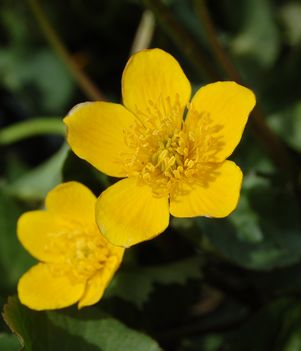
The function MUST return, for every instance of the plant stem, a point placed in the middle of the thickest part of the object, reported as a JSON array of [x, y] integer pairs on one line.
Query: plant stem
[[183, 39], [33, 127], [267, 138], [144, 33], [87, 86]]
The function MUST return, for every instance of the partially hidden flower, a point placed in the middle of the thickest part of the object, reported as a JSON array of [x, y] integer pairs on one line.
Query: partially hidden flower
[[76, 261], [171, 152]]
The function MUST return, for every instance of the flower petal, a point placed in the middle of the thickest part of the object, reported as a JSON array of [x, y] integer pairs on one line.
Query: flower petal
[[96, 134], [128, 213], [72, 202], [40, 290], [155, 86], [219, 113], [70, 206], [217, 197], [97, 284], [35, 231]]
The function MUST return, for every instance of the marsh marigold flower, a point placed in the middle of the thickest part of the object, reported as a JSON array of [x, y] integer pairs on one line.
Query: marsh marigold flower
[[171, 152], [77, 262]]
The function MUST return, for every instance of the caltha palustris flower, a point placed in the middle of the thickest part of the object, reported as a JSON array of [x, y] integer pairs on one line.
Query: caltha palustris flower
[[76, 263], [171, 152]]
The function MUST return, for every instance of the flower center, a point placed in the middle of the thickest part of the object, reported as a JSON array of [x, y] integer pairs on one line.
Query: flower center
[[172, 160], [79, 254], [172, 153], [163, 156]]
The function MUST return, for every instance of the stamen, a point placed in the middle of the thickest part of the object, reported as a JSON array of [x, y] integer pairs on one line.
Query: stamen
[[168, 153], [79, 253]]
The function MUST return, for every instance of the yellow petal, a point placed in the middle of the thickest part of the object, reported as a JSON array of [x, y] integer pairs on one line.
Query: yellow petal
[[155, 86], [95, 132], [97, 284], [219, 113], [73, 202], [35, 231], [217, 197], [40, 290], [128, 213]]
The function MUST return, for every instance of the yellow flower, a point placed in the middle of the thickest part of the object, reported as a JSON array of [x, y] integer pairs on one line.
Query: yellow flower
[[171, 152], [77, 263]]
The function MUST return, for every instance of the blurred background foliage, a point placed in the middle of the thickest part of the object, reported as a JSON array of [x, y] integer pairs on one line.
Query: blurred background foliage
[[230, 284]]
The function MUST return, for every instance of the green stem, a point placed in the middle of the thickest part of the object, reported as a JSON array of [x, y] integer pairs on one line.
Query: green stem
[[183, 39], [33, 127], [87, 86], [269, 141]]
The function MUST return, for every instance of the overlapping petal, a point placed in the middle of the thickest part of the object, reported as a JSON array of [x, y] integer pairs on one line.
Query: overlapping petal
[[219, 111], [40, 290], [97, 284], [128, 213], [154, 86], [96, 134], [71, 202], [218, 196]]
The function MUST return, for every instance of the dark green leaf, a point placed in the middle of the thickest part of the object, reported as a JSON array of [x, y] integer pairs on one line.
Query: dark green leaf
[[287, 124], [290, 15], [136, 284], [9, 342], [86, 330], [276, 327], [263, 233], [259, 38]]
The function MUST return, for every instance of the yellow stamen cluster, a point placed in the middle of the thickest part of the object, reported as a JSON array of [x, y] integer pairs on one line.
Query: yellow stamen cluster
[[80, 254], [168, 153]]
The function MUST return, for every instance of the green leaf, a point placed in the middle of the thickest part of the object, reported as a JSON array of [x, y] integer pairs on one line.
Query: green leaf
[[287, 124], [136, 284], [40, 69], [53, 80], [35, 184], [290, 14], [263, 233], [259, 38], [70, 329], [211, 342], [8, 342], [276, 327]]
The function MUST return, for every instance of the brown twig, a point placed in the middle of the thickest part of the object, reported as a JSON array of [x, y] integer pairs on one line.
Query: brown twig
[[267, 138], [85, 83]]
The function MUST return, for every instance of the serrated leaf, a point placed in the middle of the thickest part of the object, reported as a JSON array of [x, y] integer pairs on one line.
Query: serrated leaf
[[136, 284], [70, 330]]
